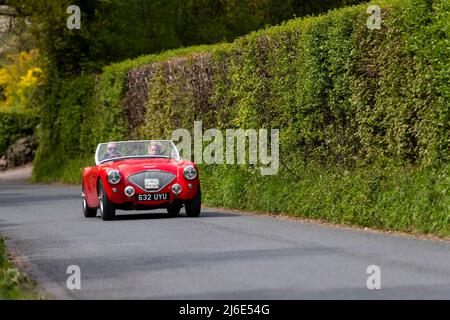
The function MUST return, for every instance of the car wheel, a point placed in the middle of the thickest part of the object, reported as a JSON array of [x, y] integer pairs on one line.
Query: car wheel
[[193, 206], [107, 209], [88, 212], [174, 211]]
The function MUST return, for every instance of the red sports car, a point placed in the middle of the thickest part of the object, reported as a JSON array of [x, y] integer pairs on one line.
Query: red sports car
[[140, 175]]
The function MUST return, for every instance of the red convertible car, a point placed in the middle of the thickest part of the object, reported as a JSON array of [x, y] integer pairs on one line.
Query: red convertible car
[[140, 175]]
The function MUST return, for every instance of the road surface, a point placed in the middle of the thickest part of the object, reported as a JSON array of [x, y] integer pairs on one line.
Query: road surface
[[219, 255]]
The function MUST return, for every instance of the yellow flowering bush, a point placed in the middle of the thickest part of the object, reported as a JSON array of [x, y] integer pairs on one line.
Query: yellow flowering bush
[[18, 79]]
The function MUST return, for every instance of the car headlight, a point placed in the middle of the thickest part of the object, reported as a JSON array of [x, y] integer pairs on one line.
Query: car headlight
[[190, 173], [114, 176]]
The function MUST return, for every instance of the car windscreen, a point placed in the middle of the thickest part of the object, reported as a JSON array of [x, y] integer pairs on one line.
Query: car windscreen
[[135, 149]]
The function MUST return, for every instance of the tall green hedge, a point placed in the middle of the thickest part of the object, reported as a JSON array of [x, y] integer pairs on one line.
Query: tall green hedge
[[364, 114]]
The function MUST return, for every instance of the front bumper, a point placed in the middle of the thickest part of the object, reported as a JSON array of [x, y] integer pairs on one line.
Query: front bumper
[[117, 195]]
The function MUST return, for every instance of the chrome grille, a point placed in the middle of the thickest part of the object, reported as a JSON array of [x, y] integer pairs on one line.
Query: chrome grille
[[164, 178]]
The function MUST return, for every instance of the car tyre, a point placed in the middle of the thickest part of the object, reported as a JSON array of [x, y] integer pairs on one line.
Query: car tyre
[[88, 212], [193, 206], [107, 208]]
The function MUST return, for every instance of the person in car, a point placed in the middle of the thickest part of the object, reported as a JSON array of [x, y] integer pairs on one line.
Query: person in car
[[154, 149], [111, 151]]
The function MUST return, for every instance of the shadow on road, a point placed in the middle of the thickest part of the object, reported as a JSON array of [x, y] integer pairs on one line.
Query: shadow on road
[[141, 216], [159, 215]]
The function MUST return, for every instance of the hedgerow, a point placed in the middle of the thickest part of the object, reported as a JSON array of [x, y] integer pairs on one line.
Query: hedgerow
[[363, 114]]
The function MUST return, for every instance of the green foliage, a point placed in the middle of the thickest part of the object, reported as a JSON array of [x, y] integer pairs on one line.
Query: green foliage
[[114, 30], [66, 127], [13, 283], [363, 114], [15, 125], [401, 198]]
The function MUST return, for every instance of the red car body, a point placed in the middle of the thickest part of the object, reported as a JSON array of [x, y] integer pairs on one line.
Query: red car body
[[133, 172]]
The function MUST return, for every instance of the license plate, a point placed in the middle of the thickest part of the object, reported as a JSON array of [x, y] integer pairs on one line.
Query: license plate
[[151, 184], [153, 197]]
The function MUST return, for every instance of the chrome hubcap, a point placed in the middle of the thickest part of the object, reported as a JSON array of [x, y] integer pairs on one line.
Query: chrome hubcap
[[83, 198]]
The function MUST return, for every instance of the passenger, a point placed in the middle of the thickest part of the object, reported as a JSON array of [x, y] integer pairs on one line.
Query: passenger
[[154, 149]]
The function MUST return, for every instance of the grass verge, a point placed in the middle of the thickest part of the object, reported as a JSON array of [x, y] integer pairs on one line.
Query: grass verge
[[14, 284]]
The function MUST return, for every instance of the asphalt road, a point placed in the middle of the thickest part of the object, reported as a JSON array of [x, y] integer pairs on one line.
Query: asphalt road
[[216, 256]]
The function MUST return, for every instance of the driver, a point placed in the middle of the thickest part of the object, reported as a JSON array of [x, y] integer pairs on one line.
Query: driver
[[154, 149], [111, 151]]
